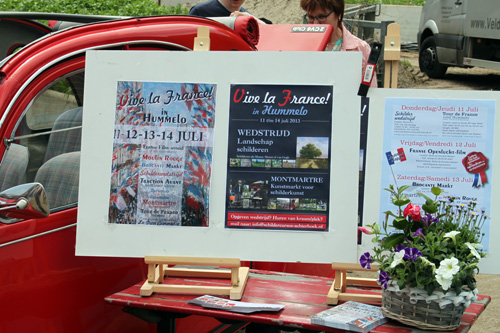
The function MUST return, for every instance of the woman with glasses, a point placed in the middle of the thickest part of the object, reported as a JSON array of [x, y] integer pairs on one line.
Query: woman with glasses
[[332, 12]]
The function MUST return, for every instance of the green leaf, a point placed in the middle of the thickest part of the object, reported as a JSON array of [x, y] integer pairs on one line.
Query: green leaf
[[436, 191], [400, 223], [401, 201], [390, 213], [393, 240], [390, 189], [402, 188], [424, 196], [430, 207]]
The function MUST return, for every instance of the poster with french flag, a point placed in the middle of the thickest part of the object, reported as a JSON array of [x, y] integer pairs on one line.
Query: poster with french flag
[[396, 156]]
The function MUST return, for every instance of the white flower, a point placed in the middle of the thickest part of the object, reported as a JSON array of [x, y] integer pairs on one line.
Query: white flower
[[448, 268], [472, 248], [398, 258], [428, 263], [443, 281], [451, 234]]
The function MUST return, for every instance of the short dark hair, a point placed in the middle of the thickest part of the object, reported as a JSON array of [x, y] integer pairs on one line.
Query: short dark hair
[[336, 5]]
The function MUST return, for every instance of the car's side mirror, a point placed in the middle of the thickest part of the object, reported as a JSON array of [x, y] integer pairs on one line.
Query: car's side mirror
[[27, 201]]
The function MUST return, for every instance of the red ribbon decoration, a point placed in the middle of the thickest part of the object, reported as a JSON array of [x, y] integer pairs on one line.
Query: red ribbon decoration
[[476, 163]]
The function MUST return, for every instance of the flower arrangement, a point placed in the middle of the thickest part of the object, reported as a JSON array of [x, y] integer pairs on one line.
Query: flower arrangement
[[436, 246]]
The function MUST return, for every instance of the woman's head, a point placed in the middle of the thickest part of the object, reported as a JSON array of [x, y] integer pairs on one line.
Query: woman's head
[[328, 11]]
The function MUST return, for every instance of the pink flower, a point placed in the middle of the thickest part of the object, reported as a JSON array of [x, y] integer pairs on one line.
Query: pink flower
[[365, 230], [412, 210]]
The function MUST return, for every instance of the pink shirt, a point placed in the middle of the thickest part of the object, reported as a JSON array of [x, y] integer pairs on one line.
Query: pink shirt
[[353, 43]]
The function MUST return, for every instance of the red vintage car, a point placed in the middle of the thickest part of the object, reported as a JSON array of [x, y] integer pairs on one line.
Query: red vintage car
[[44, 286]]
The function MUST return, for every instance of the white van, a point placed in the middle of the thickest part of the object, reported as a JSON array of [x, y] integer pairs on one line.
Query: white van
[[461, 33]]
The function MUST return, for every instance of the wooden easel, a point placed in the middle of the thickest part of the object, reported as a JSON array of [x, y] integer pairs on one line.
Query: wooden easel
[[158, 266], [158, 269], [338, 292], [392, 50]]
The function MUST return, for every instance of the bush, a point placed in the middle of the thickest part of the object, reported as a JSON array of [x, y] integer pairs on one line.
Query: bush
[[92, 7]]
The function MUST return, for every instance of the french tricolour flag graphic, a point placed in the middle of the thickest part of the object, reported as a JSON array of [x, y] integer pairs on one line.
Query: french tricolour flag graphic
[[396, 156]]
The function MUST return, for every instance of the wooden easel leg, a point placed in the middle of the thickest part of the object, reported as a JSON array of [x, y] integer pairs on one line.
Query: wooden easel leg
[[387, 74], [235, 271], [151, 272], [147, 289], [236, 292], [155, 274], [335, 289], [395, 70]]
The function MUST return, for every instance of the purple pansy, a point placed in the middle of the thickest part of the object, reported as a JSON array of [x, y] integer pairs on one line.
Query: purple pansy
[[383, 279], [365, 260]]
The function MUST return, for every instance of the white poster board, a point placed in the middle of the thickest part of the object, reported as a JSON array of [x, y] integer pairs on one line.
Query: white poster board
[[104, 69], [436, 129]]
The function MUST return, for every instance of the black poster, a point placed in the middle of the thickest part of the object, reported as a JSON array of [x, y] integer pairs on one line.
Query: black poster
[[279, 157]]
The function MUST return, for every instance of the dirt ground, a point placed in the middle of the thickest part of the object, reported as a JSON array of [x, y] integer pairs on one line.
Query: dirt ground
[[455, 78]]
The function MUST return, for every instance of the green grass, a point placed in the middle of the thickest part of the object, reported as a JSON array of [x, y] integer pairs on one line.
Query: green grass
[[92, 7], [406, 63]]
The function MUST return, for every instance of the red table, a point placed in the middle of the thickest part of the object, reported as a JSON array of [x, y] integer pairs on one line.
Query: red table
[[302, 296]]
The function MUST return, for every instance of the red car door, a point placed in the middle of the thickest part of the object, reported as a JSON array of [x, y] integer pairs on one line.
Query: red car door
[[45, 287]]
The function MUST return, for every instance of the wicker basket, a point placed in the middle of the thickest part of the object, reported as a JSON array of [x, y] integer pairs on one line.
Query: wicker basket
[[422, 314]]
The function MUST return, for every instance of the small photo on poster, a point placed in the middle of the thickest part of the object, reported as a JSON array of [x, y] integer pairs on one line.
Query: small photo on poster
[[234, 162], [283, 203], [312, 152], [275, 163], [251, 194], [258, 163], [272, 204], [245, 163], [308, 204]]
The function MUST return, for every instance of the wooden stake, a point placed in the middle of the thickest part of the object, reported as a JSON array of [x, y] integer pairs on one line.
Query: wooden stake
[[392, 50]]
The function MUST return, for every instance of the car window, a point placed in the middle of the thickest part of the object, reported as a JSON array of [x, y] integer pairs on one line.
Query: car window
[[46, 145], [49, 105]]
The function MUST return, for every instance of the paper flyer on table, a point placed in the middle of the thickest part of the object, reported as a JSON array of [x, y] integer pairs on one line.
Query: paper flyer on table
[[213, 302], [352, 316]]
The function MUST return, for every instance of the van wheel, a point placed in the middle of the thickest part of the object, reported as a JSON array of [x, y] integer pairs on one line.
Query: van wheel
[[428, 60]]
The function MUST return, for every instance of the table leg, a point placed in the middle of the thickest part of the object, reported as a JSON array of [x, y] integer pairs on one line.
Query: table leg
[[165, 321], [166, 325], [232, 327]]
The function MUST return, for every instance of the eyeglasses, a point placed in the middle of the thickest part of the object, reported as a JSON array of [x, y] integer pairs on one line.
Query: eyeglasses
[[320, 18]]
